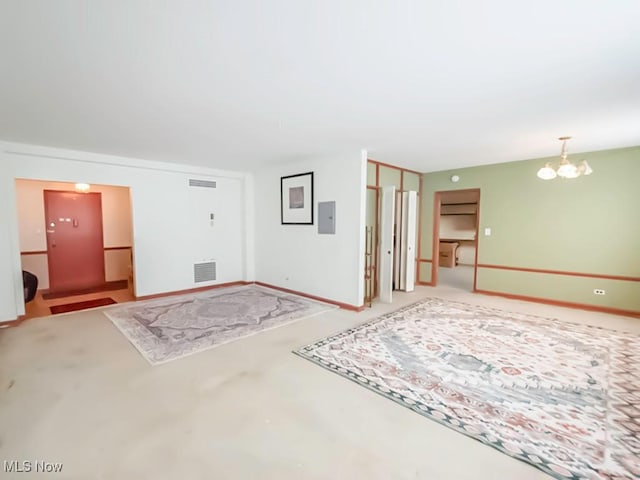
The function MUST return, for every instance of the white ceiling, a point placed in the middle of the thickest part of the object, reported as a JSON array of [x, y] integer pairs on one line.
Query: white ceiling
[[425, 84]]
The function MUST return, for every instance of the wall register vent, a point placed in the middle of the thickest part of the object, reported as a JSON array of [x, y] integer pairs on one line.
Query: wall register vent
[[204, 272], [194, 182]]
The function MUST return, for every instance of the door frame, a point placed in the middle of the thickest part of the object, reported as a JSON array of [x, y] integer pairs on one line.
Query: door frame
[[437, 204], [375, 254]]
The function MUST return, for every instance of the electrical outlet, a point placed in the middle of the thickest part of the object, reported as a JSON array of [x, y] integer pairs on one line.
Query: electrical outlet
[[598, 291]]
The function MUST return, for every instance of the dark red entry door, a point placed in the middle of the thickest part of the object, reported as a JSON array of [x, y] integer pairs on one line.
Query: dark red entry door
[[75, 247]]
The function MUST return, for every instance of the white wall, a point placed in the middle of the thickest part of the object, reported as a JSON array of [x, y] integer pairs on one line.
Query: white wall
[[296, 256], [164, 236]]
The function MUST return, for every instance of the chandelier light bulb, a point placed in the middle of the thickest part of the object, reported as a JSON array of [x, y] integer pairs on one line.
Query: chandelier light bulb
[[547, 172], [567, 170]]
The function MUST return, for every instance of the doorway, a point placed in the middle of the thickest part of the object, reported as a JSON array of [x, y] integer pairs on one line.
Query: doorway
[[400, 242], [455, 238], [77, 244], [74, 240]]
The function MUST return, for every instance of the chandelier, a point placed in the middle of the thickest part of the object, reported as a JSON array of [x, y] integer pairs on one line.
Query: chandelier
[[565, 169]]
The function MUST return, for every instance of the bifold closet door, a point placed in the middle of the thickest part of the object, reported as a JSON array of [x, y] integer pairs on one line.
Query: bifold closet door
[[398, 283], [387, 219], [408, 242]]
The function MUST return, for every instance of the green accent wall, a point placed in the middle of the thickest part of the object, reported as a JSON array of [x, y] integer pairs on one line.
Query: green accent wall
[[371, 174], [590, 224], [424, 272], [411, 181], [389, 176], [371, 207]]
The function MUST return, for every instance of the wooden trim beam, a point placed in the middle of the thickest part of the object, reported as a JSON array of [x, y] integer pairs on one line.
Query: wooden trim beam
[[376, 254], [45, 252], [419, 236], [395, 167], [561, 272], [435, 247], [476, 242], [558, 303], [14, 323], [345, 306], [192, 290]]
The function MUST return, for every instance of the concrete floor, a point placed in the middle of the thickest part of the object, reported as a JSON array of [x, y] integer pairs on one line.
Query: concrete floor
[[73, 390]]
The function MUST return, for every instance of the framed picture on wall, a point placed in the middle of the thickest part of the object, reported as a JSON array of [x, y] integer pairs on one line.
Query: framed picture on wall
[[296, 199]]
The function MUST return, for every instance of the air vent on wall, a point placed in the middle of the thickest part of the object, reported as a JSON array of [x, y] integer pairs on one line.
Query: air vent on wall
[[204, 272], [194, 182]]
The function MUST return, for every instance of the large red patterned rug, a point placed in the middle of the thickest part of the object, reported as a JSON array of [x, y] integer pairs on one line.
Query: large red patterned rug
[[563, 397]]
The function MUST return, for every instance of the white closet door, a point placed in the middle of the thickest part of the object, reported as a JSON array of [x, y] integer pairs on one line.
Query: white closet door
[[387, 212], [398, 279], [409, 206]]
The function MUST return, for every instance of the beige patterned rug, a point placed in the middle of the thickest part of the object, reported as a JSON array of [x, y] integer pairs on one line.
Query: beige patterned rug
[[173, 327], [562, 397]]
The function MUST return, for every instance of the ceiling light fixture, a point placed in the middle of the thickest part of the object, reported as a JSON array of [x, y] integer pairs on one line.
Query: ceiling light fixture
[[82, 187], [565, 169]]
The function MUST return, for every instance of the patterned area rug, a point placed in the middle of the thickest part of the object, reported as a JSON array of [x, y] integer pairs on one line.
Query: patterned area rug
[[174, 327], [562, 397]]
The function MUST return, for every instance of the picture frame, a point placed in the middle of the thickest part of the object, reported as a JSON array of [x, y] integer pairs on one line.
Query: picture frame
[[296, 199]]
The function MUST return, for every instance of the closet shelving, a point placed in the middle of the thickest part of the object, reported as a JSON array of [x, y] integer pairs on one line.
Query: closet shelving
[[458, 230], [459, 208]]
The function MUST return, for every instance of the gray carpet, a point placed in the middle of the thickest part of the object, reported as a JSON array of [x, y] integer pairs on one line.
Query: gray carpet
[[460, 277]]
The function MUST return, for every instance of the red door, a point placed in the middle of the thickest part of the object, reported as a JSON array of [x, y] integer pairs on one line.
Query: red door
[[75, 247]]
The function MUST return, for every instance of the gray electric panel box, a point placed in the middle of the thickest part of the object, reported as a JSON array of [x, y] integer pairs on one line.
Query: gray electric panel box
[[327, 217]]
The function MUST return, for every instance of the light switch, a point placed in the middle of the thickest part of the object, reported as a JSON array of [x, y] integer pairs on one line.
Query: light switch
[[487, 232]]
